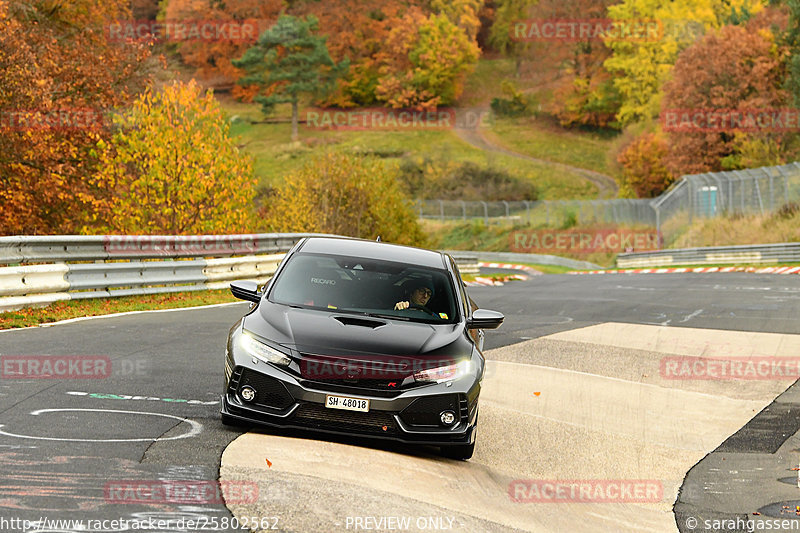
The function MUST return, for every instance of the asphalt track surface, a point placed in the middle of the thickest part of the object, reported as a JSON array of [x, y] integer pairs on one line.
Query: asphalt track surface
[[67, 444]]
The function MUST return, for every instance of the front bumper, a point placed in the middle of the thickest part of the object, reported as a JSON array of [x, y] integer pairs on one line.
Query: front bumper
[[410, 416]]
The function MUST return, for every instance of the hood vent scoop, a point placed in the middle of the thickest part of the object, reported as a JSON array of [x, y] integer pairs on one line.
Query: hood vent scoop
[[363, 322]]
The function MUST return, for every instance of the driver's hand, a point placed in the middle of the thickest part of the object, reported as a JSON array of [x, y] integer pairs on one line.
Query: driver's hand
[[401, 305]]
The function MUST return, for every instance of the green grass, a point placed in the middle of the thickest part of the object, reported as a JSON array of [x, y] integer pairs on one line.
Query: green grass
[[484, 83], [33, 316], [538, 137], [275, 155]]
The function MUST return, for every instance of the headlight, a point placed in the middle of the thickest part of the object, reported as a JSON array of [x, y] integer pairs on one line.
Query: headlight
[[444, 373], [262, 351]]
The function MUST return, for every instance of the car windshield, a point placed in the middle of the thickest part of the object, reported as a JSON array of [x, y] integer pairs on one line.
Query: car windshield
[[366, 286]]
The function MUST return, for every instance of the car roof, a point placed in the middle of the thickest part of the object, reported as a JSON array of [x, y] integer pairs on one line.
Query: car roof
[[373, 250]]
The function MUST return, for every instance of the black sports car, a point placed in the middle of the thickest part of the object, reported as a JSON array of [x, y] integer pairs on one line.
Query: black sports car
[[361, 338]]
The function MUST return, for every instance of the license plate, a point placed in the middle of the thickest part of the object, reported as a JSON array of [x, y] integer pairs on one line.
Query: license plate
[[346, 403]]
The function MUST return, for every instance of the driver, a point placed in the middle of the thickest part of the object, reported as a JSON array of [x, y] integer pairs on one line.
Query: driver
[[420, 295]]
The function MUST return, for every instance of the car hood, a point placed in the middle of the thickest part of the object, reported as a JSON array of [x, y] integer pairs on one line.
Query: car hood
[[313, 331]]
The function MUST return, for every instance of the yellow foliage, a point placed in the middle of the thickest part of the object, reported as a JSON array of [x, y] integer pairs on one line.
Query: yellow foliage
[[172, 168], [345, 195], [642, 66]]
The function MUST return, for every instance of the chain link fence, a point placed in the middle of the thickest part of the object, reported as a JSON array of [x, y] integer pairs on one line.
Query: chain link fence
[[752, 191], [550, 213]]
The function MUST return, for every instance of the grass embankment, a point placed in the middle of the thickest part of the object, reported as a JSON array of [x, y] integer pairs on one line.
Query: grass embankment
[[542, 138], [777, 227], [275, 155], [477, 236], [34, 316]]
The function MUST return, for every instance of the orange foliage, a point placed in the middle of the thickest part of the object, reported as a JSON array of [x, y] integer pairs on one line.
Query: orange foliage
[[735, 68], [58, 66], [643, 166], [212, 59]]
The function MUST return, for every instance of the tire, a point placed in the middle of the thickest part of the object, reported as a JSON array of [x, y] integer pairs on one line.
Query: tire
[[460, 452]]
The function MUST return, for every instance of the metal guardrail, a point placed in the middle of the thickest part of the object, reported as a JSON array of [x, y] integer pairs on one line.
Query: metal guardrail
[[44, 284], [538, 259], [119, 266], [717, 255], [66, 248]]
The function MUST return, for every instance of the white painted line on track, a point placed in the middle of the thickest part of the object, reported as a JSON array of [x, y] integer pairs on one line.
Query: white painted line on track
[[196, 427]]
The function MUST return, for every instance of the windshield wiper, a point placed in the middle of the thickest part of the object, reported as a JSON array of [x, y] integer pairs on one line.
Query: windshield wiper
[[394, 317]]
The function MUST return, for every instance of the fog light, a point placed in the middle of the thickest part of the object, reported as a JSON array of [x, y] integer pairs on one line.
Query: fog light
[[447, 418], [247, 393]]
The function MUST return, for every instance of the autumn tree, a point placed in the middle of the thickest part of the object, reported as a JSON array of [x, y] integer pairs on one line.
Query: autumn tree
[[212, 59], [370, 34], [424, 62], [356, 30], [791, 39], [584, 93], [644, 171], [501, 34], [57, 68], [462, 13], [288, 62], [735, 68], [642, 66], [347, 195], [172, 168]]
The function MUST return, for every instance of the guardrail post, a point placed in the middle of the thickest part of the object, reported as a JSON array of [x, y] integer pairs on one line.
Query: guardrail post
[[485, 212], [508, 213], [464, 209]]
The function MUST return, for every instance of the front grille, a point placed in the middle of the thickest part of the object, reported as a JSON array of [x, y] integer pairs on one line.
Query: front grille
[[321, 417], [425, 411], [370, 387], [270, 392], [379, 376]]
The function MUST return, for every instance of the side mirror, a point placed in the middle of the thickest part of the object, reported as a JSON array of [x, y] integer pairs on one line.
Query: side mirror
[[485, 319], [246, 290]]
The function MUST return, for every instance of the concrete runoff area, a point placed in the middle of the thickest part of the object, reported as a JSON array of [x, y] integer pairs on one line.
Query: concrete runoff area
[[591, 407]]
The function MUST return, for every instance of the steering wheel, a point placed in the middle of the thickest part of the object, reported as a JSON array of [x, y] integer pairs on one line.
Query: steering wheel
[[422, 309]]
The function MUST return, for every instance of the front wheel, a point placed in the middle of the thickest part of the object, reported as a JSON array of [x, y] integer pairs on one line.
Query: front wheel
[[460, 452]]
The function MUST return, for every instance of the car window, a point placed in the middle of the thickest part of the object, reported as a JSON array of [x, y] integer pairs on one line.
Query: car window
[[362, 285]]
